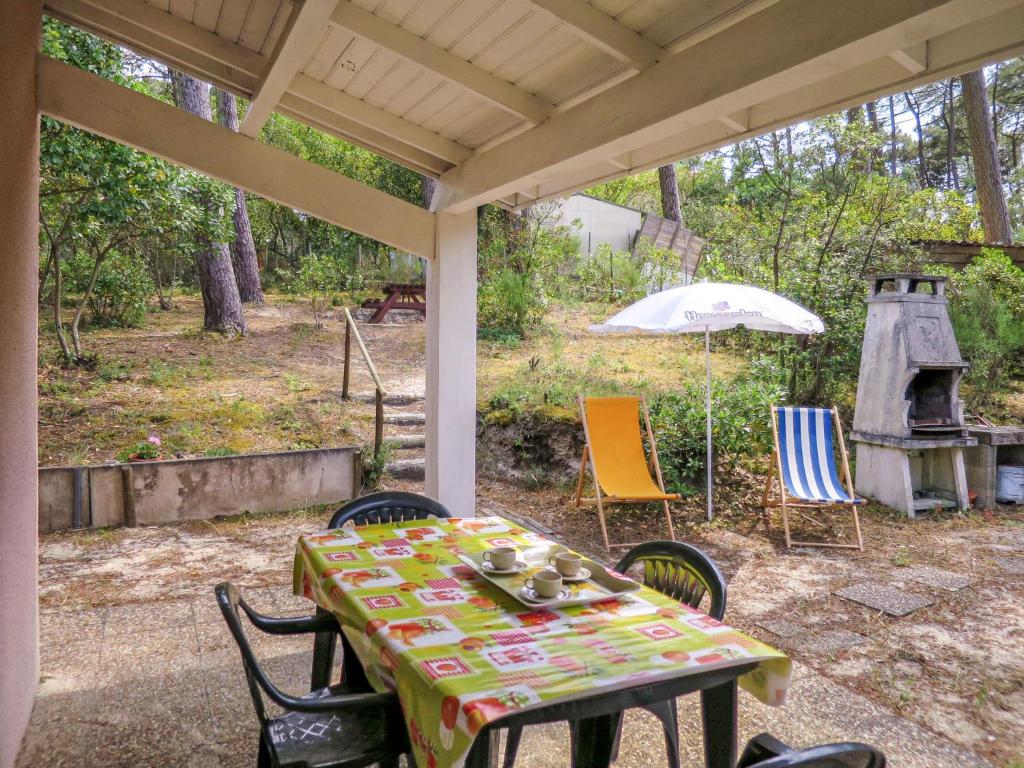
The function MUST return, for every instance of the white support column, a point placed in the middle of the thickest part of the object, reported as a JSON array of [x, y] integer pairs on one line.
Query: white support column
[[451, 364], [19, 475]]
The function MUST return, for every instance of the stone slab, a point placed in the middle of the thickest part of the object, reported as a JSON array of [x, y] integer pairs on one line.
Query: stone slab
[[882, 597], [782, 628], [935, 577], [1014, 565], [833, 641]]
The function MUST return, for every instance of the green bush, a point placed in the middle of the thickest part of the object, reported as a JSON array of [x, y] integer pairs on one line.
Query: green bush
[[612, 276], [122, 287], [509, 303], [741, 427], [987, 311]]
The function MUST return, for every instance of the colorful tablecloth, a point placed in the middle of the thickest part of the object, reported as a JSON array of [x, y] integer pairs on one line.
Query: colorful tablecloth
[[460, 652]]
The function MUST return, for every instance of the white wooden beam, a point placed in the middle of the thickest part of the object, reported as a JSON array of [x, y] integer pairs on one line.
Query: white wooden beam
[[449, 66], [378, 119], [159, 35], [306, 26], [913, 59], [451, 365], [737, 121], [604, 32], [967, 48], [334, 124], [128, 117], [784, 48]]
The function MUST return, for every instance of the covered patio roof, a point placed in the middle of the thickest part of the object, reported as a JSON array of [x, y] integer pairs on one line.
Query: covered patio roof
[[516, 101]]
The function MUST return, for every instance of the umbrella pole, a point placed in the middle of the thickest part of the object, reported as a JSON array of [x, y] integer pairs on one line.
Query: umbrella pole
[[707, 410]]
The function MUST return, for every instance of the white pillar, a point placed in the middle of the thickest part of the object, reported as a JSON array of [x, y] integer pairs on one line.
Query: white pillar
[[19, 477], [451, 365]]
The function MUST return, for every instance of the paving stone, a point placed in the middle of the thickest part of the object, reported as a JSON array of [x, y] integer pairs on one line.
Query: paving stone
[[1014, 565], [935, 577], [882, 597], [782, 628], [833, 641]]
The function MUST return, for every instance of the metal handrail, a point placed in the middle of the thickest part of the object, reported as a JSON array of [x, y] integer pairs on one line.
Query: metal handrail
[[378, 424]]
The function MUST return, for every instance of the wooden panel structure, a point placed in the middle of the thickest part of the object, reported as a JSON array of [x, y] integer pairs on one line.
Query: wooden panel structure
[[960, 253], [671, 235]]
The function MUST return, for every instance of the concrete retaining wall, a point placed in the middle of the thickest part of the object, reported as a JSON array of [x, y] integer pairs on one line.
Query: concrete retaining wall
[[144, 493]]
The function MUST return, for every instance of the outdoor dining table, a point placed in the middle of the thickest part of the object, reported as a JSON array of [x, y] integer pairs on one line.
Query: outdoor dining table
[[468, 660]]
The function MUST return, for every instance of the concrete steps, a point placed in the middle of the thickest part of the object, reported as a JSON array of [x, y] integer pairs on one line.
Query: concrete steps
[[407, 441]]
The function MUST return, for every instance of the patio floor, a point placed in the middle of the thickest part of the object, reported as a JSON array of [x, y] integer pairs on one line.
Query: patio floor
[[159, 682]]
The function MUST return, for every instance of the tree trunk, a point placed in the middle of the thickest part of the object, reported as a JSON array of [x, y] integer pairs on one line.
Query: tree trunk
[[915, 110], [893, 149], [243, 249], [995, 217], [669, 192], [222, 306], [427, 186]]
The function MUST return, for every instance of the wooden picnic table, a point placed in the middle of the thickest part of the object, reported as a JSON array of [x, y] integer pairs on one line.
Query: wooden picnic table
[[398, 296]]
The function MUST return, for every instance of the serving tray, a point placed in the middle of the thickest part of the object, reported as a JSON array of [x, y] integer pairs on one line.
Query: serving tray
[[602, 584]]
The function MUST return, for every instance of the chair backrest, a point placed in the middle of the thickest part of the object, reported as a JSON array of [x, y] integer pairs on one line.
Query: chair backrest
[[231, 605], [617, 447], [806, 453], [764, 751], [679, 571], [388, 507]]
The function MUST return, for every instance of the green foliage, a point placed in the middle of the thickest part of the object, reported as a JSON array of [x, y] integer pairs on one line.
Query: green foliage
[[318, 279], [145, 450], [509, 303], [740, 427], [218, 452], [987, 311], [118, 297]]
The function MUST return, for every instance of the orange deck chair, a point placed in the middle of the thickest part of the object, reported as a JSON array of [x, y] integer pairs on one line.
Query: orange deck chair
[[615, 452]]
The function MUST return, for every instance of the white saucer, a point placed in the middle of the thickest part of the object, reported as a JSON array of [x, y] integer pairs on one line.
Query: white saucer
[[519, 567], [531, 595], [583, 575]]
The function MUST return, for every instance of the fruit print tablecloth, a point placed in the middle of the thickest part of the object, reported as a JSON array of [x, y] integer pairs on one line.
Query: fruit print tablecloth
[[461, 653]]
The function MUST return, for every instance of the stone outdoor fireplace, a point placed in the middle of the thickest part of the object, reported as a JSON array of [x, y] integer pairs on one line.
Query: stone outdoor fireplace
[[909, 420]]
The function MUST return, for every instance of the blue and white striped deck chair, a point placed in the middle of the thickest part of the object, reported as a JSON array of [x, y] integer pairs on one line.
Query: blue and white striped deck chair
[[805, 463]]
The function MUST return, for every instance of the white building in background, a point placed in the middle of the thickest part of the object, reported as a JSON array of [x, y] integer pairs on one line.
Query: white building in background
[[598, 222]]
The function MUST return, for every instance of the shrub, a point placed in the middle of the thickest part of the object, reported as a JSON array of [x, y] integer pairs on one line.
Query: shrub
[[741, 428], [509, 302], [122, 286]]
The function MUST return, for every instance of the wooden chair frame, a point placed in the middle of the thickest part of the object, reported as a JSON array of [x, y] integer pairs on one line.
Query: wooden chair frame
[[652, 465], [787, 502]]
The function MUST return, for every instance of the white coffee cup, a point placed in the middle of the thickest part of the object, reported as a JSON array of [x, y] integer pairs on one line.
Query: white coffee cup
[[545, 583], [501, 558], [567, 563]]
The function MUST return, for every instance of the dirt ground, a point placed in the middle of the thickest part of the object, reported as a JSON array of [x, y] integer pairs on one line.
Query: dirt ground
[[955, 667]]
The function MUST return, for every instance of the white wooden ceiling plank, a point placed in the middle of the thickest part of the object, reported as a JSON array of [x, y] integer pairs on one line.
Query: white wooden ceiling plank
[[577, 69], [326, 56], [434, 100], [206, 14], [370, 74], [639, 15], [352, 59], [417, 88], [232, 17], [450, 66], [257, 24], [183, 9], [480, 126], [394, 11], [305, 29], [163, 5], [394, 82], [509, 30], [426, 15], [603, 32], [284, 13], [459, 104], [542, 49], [460, 21]]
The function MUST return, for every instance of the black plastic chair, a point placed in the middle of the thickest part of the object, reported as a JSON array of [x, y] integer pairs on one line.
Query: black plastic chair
[[385, 507], [321, 729], [766, 751], [683, 573]]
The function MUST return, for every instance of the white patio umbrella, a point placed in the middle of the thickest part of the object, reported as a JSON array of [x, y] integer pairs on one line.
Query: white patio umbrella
[[711, 307]]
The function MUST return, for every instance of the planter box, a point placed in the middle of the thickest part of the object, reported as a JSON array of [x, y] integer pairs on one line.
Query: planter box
[[144, 493]]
